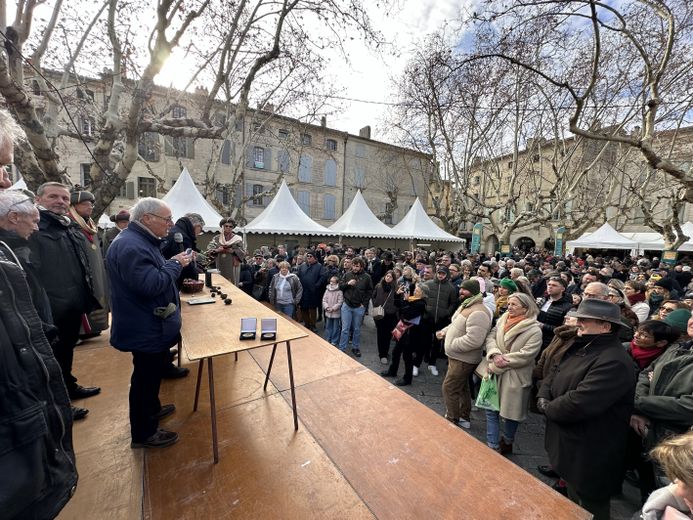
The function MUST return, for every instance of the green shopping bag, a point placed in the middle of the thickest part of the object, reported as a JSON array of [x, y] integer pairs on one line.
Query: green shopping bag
[[488, 394]]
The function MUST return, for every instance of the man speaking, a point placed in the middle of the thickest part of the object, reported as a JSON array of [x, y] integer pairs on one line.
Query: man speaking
[[146, 316]]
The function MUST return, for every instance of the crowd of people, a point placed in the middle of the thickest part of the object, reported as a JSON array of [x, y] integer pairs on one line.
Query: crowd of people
[[601, 346]]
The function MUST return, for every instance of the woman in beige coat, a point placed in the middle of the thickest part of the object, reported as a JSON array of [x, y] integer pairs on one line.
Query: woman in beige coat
[[511, 348]]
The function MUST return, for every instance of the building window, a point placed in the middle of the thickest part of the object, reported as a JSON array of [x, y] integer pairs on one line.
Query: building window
[[179, 112], [305, 167], [508, 214], [330, 172], [306, 139], [360, 150], [88, 124], [389, 210], [259, 157], [510, 165], [35, 88], [179, 147], [331, 144], [226, 152], [283, 134], [257, 190], [84, 174], [148, 146], [359, 177], [304, 201], [536, 157], [146, 187], [329, 210], [284, 161], [477, 180], [223, 194]]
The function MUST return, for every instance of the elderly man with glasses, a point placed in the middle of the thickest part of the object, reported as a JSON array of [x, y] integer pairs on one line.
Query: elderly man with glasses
[[146, 314], [59, 253]]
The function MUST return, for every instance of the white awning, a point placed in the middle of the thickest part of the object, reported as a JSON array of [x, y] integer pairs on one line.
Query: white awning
[[184, 198]]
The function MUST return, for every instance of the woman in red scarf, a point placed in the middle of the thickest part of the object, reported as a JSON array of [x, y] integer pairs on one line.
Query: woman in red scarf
[[651, 339]]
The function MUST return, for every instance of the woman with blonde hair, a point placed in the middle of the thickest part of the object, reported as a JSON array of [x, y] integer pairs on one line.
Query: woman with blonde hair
[[511, 348]]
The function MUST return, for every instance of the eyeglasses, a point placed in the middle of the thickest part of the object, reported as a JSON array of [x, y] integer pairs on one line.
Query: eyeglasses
[[167, 219], [668, 309]]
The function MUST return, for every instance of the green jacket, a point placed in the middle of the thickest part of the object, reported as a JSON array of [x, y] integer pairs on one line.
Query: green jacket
[[667, 399]]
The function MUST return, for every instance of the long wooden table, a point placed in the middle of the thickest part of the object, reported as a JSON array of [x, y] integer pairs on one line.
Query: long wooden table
[[212, 330]]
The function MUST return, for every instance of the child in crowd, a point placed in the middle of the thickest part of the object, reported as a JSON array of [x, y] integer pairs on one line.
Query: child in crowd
[[332, 304]]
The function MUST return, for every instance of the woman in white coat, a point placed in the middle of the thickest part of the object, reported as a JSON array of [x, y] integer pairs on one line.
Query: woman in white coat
[[511, 349]]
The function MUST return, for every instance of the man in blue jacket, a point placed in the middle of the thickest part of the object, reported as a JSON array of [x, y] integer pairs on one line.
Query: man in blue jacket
[[146, 316]]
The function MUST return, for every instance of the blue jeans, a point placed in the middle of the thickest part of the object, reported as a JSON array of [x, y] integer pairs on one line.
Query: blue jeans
[[493, 429], [287, 308], [333, 329], [351, 317]]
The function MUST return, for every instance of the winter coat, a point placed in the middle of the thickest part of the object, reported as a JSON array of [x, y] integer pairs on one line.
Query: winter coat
[[245, 280], [142, 281], [59, 241], [374, 268], [332, 301], [408, 310], [562, 339], [385, 294], [170, 248], [359, 294], [441, 300], [667, 400], [520, 346], [37, 466], [466, 334], [107, 239], [294, 282], [590, 396], [553, 317], [313, 278], [98, 318]]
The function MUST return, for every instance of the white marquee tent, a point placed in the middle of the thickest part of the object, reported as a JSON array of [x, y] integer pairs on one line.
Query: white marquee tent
[[606, 237], [417, 225], [359, 221], [184, 198], [285, 217]]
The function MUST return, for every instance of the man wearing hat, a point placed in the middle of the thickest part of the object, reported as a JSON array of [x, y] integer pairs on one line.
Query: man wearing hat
[[58, 250], [121, 220], [587, 400], [441, 300]]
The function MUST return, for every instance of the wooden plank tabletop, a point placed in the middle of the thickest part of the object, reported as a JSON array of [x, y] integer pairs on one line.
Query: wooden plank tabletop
[[214, 329]]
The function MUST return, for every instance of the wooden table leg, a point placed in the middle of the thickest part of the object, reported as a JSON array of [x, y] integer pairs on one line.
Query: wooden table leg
[[291, 380], [215, 447], [197, 385], [180, 350], [269, 368]]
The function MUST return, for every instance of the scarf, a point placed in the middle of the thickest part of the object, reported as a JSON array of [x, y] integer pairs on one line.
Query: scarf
[[235, 239], [88, 226], [477, 298], [635, 298], [511, 321], [644, 356]]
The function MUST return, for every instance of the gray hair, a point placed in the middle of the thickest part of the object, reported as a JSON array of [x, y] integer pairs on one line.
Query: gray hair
[[42, 188], [144, 206], [15, 200], [527, 302], [600, 287], [195, 219], [9, 128]]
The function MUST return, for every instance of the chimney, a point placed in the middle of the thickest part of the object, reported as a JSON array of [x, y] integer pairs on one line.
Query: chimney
[[365, 132], [323, 121]]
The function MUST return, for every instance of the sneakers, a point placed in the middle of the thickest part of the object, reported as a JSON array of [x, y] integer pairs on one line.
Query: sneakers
[[165, 411], [160, 439], [433, 370], [356, 352], [383, 361], [415, 371], [464, 424]]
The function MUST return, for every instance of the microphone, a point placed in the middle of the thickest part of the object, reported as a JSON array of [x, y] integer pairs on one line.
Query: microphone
[[178, 239]]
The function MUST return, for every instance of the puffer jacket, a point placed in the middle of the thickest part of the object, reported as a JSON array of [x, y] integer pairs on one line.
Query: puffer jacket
[[441, 300], [466, 334], [37, 462], [332, 301], [667, 399], [553, 318], [142, 280]]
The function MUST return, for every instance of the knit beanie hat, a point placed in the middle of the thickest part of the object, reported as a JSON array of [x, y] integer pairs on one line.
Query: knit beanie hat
[[666, 283], [77, 196], [472, 286], [678, 319], [508, 284]]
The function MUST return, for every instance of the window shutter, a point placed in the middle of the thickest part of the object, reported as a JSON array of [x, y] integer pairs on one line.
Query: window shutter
[[130, 190], [190, 149], [249, 193], [268, 158], [250, 156], [237, 196], [330, 172], [168, 146], [226, 152], [284, 161]]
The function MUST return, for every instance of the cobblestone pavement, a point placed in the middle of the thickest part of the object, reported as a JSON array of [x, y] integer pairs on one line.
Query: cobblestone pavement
[[528, 448]]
